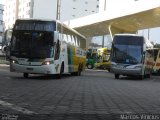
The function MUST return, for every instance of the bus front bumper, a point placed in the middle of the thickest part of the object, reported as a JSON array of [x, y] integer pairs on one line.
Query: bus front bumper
[[125, 71], [43, 69]]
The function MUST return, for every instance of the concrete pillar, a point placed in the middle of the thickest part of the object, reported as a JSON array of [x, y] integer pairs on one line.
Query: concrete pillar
[[89, 39]]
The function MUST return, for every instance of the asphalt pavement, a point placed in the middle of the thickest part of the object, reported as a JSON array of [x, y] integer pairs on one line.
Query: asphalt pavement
[[95, 95]]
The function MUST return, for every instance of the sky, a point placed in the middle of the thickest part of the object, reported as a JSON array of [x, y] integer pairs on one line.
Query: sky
[[154, 33], [1, 1]]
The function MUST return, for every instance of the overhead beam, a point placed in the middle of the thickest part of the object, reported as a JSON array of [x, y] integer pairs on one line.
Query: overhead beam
[[115, 30]]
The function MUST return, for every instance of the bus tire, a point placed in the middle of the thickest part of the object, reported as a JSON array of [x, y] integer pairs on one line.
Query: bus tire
[[25, 75], [59, 76], [141, 77], [148, 75], [78, 73], [116, 76], [80, 70]]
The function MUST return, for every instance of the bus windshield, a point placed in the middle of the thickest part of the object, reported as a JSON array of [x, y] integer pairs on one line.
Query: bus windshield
[[127, 51], [33, 40]]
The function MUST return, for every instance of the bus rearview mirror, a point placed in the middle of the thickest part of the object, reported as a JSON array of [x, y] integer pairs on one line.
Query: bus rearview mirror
[[55, 37]]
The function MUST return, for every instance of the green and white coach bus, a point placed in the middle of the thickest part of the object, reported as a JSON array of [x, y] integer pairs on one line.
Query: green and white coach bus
[[46, 47], [131, 55]]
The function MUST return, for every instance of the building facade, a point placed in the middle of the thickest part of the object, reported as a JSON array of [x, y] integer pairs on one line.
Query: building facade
[[14, 9], [44, 9], [47, 9], [1, 21], [71, 9]]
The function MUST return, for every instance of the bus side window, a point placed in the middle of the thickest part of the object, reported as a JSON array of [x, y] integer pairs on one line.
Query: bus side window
[[57, 50]]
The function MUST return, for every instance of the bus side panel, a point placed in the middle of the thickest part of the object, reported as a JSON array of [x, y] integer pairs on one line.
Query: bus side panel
[[80, 58], [76, 57], [70, 51]]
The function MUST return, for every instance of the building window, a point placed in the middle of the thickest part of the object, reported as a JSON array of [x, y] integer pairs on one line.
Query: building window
[[86, 2], [1, 22], [28, 12], [1, 11]]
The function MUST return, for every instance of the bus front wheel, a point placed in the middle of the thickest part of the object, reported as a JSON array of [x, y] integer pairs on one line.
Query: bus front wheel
[[80, 67], [116, 76], [141, 77], [25, 75], [79, 70]]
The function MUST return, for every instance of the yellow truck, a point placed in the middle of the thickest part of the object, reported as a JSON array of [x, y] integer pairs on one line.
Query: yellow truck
[[104, 59], [91, 58]]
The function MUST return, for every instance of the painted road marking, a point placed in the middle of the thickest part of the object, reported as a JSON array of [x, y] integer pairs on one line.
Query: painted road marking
[[16, 108], [4, 70]]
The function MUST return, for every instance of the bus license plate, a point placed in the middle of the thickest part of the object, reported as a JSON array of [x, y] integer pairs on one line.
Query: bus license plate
[[29, 68], [120, 66]]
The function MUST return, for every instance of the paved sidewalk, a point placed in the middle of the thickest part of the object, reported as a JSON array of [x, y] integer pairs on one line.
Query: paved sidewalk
[[4, 66], [155, 77], [93, 96]]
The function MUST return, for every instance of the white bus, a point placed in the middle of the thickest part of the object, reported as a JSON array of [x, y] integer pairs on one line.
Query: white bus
[[46, 47], [131, 56]]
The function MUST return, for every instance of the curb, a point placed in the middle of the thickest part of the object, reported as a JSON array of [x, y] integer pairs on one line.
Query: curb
[[4, 65]]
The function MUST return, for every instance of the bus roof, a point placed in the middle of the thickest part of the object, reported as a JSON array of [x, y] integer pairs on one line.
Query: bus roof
[[148, 42], [51, 20], [32, 19], [128, 34]]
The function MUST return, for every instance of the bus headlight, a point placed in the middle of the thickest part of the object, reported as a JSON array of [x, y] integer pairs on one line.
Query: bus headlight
[[14, 61], [139, 66], [48, 62]]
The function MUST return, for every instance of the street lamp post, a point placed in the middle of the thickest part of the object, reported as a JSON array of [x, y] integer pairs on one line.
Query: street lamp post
[[58, 10], [104, 5], [148, 34]]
